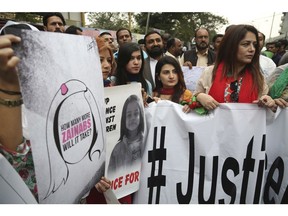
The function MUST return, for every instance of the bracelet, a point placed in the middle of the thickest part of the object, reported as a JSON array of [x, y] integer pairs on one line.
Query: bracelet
[[11, 103], [10, 92]]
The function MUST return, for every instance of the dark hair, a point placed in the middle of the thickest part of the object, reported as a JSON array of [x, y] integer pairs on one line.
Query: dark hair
[[124, 56], [47, 15], [226, 29], [283, 42], [151, 32], [123, 129], [105, 33], [166, 36], [227, 54], [170, 43], [196, 31], [141, 41], [180, 87], [73, 30], [216, 36]]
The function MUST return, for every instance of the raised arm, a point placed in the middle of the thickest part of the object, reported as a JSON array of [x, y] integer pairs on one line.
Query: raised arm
[[10, 96]]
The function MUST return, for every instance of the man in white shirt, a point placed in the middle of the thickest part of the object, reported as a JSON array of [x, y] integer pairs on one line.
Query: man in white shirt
[[267, 65], [174, 48]]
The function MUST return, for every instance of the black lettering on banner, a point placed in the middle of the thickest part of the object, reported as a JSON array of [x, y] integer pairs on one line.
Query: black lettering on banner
[[185, 199], [260, 173], [229, 188], [153, 156], [285, 197], [270, 182], [211, 199], [248, 166]]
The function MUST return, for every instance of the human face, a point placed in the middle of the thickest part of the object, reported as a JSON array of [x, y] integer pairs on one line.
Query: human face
[[108, 39], [246, 49], [168, 76], [132, 116], [135, 63], [272, 48], [106, 63], [178, 47], [202, 39], [217, 43], [54, 24], [261, 41], [123, 37], [154, 45]]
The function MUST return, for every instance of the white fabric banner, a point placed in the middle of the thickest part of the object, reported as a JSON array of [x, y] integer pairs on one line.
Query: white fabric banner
[[276, 175], [217, 158]]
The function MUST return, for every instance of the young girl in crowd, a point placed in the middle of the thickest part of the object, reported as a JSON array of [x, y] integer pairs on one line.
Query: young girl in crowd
[[236, 75], [130, 66], [170, 84]]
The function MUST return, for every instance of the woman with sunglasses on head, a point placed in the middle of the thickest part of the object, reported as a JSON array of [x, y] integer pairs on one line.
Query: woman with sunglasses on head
[[236, 75]]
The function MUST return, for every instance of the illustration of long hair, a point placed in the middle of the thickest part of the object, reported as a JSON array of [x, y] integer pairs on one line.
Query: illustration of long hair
[[71, 99]]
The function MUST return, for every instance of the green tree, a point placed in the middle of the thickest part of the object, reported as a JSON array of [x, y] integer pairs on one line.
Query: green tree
[[28, 17], [108, 20], [181, 24]]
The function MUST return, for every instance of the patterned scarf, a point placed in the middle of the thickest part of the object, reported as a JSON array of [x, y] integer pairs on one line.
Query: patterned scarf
[[217, 90]]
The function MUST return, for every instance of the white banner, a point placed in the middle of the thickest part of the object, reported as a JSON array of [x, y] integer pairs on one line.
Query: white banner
[[218, 158], [276, 175]]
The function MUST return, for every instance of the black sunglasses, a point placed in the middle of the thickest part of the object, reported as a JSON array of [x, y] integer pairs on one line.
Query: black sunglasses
[[234, 96]]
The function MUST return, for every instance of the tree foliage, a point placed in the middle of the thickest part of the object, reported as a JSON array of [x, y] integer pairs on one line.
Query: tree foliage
[[108, 20], [181, 24]]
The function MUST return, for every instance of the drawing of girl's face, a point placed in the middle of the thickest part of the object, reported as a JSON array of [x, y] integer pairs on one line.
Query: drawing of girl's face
[[132, 116]]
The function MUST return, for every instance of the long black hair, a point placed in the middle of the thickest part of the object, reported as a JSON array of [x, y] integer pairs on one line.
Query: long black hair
[[124, 56]]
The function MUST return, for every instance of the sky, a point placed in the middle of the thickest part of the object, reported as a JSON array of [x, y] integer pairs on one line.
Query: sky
[[263, 21]]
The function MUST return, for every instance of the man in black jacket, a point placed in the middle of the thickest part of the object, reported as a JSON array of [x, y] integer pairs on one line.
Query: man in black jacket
[[201, 55]]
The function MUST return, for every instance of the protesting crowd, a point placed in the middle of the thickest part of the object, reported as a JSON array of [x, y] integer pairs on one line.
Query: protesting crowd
[[236, 70]]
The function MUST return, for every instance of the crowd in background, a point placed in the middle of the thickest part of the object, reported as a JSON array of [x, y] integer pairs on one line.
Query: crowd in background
[[236, 71]]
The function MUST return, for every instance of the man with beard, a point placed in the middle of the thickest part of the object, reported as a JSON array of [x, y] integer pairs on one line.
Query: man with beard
[[200, 55], [154, 48], [54, 22]]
